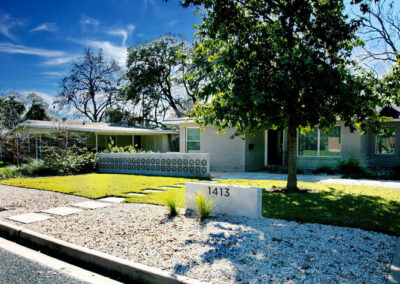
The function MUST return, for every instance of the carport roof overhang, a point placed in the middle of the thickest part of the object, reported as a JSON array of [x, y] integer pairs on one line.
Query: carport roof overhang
[[46, 127]]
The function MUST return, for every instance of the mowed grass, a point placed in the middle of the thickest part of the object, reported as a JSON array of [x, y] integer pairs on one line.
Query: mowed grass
[[102, 185], [364, 207]]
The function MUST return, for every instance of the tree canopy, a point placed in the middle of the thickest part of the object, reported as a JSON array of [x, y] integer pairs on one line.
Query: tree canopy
[[279, 64], [155, 79], [92, 86], [11, 109]]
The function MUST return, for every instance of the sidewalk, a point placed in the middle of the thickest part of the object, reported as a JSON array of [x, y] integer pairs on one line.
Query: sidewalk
[[326, 179]]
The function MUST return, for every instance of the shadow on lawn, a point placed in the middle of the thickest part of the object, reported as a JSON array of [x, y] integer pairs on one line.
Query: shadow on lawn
[[333, 208]]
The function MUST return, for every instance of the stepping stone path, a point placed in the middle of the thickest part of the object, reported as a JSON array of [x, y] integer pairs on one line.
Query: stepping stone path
[[170, 187], [112, 199], [91, 204], [136, 193], [62, 211], [30, 218], [152, 190]]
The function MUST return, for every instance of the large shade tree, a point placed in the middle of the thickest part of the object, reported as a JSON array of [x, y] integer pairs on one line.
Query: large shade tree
[[279, 64], [92, 85], [155, 77]]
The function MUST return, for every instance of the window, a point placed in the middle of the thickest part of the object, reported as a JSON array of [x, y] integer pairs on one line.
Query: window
[[320, 143], [193, 139], [385, 141]]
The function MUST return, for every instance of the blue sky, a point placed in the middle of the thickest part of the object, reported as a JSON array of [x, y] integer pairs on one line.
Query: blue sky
[[38, 39]]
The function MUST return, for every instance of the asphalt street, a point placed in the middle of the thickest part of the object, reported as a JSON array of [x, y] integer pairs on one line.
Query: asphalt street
[[16, 269]]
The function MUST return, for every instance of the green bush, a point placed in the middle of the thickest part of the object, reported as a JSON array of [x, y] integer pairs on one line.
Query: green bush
[[171, 203], [203, 205], [351, 168], [123, 149], [10, 172], [324, 170], [67, 163]]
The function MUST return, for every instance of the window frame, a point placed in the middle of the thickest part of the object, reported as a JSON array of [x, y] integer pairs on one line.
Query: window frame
[[319, 144], [187, 140], [394, 145]]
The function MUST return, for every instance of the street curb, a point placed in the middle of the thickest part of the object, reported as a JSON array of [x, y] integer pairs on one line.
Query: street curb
[[114, 267], [394, 276]]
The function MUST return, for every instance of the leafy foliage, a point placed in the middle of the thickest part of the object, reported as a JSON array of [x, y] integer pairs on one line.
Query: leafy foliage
[[155, 70], [11, 109], [280, 64]]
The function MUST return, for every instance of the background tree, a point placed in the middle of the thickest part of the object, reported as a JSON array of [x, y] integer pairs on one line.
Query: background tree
[[279, 64], [92, 86], [11, 109], [380, 30], [38, 109], [154, 77]]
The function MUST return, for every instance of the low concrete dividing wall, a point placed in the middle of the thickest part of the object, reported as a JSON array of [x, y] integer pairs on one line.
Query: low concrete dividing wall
[[165, 164], [228, 199]]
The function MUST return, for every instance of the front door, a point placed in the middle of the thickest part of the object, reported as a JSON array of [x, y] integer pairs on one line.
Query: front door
[[274, 147]]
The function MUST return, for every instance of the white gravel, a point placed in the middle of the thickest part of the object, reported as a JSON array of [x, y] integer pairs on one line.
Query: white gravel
[[222, 250]]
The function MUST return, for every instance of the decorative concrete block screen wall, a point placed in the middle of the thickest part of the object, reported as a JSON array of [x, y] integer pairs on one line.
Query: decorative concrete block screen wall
[[165, 164]]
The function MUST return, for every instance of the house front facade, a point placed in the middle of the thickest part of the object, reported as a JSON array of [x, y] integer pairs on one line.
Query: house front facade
[[268, 149]]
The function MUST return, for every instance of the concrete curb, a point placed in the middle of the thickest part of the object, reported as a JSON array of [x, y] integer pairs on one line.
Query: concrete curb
[[113, 267], [394, 276]]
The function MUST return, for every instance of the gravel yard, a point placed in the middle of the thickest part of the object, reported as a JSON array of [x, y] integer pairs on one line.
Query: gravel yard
[[221, 250]]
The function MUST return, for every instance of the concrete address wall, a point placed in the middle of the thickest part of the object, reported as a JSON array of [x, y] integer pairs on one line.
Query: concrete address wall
[[165, 164]]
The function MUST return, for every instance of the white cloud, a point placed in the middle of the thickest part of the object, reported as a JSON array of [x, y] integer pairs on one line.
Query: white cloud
[[20, 49], [49, 27], [88, 21], [119, 53], [49, 99], [54, 73], [7, 23], [124, 33], [61, 60]]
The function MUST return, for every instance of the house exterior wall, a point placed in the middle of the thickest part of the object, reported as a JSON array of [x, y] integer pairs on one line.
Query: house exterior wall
[[225, 154], [371, 159], [255, 156], [351, 146]]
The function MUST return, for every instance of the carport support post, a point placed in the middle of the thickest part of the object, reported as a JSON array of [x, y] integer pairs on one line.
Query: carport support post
[[133, 141], [97, 144], [36, 149]]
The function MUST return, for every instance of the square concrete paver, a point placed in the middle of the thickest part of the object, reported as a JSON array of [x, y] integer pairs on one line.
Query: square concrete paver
[[152, 190], [62, 211], [136, 193], [112, 199], [91, 204], [29, 218], [170, 187]]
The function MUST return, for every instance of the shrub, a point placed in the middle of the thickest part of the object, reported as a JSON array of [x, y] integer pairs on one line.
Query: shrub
[[10, 172], [121, 149], [171, 203], [351, 168], [324, 170], [68, 163], [203, 205]]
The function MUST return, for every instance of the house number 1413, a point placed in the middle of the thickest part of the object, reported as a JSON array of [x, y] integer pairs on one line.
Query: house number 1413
[[219, 191]]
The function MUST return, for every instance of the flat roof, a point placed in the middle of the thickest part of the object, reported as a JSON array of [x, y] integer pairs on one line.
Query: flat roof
[[92, 127]]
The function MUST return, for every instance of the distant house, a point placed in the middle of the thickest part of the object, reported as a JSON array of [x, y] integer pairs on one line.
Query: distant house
[[268, 149], [97, 135]]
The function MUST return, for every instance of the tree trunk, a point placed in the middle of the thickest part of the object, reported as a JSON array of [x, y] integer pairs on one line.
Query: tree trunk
[[292, 156]]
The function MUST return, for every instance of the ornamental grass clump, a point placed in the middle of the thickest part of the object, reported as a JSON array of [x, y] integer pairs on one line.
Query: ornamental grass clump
[[171, 203], [203, 205]]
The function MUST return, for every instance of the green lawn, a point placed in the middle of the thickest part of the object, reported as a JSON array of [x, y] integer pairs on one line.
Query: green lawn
[[364, 207]]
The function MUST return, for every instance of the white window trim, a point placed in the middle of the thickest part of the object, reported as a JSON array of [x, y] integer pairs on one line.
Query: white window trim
[[385, 154], [319, 146], [187, 132]]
